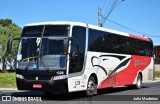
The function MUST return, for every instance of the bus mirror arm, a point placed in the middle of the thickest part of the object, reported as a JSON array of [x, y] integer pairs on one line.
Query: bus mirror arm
[[9, 44]]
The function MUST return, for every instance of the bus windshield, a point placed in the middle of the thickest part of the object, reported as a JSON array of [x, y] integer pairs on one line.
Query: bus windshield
[[49, 47], [47, 50]]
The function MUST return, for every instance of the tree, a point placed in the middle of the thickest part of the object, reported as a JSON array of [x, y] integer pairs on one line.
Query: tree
[[7, 30], [5, 22]]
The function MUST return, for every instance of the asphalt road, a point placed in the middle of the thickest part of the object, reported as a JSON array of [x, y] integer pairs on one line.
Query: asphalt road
[[148, 94]]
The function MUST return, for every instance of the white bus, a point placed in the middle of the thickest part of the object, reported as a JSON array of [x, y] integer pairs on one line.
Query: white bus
[[72, 56]]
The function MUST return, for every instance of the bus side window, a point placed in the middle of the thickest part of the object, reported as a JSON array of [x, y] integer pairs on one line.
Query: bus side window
[[74, 47], [75, 56]]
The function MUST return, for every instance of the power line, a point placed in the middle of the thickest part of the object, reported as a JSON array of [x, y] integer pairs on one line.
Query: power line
[[100, 17], [113, 7], [107, 7], [113, 4], [105, 1], [126, 27], [144, 34]]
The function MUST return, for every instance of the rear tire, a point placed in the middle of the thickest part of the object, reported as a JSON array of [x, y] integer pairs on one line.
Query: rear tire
[[91, 87], [138, 83]]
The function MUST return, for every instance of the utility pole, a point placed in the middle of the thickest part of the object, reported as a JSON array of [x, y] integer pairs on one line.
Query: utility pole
[[99, 17]]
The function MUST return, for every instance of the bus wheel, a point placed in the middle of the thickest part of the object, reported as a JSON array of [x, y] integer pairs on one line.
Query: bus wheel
[[91, 87], [139, 82]]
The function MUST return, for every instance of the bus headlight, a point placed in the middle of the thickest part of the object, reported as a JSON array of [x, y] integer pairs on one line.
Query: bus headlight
[[19, 76]]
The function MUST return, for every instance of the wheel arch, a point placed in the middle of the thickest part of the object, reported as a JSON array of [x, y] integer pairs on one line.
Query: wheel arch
[[140, 73], [92, 86], [95, 77]]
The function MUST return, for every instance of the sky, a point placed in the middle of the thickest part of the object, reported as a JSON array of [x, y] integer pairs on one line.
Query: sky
[[138, 15]]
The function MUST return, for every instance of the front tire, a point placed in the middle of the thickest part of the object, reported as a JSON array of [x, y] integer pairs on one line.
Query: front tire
[[91, 87]]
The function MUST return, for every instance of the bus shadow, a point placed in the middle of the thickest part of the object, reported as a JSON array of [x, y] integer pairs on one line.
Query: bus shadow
[[75, 96], [80, 96], [116, 90]]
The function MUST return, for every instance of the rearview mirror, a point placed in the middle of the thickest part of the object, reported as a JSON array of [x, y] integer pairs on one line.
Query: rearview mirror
[[9, 46], [66, 44]]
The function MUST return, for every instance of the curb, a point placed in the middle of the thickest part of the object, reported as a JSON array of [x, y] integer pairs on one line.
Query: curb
[[8, 89], [156, 80]]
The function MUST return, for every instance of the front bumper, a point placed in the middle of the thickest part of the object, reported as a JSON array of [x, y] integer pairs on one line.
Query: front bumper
[[46, 86], [26, 78]]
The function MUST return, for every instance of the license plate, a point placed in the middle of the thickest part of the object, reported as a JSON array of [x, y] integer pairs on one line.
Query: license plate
[[37, 85]]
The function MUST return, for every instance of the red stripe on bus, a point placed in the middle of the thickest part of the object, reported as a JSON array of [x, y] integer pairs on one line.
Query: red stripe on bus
[[139, 37], [127, 75]]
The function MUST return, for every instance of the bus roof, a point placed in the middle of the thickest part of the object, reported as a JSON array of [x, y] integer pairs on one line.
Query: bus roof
[[90, 26]]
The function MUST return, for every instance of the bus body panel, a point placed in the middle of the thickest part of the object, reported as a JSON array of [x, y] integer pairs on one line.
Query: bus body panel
[[77, 83], [128, 75], [147, 73], [124, 75]]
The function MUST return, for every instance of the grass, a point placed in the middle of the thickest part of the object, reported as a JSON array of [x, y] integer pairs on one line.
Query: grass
[[7, 80], [156, 74]]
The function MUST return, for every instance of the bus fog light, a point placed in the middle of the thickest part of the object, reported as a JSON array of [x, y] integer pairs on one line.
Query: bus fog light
[[19, 76]]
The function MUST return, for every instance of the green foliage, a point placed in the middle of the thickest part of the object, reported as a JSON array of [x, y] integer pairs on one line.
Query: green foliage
[[156, 74], [5, 22], [7, 80], [7, 30]]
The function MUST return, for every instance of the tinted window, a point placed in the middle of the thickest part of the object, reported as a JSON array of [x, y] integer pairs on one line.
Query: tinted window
[[100, 41], [77, 49], [52, 47], [50, 30], [95, 40]]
